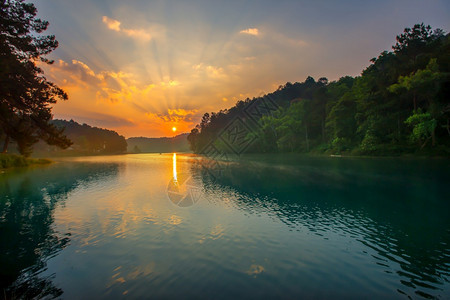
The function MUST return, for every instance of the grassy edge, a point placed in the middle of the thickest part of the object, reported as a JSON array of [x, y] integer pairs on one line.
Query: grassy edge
[[14, 161]]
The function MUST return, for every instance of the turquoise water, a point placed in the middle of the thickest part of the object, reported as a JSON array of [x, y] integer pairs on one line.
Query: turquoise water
[[166, 226]]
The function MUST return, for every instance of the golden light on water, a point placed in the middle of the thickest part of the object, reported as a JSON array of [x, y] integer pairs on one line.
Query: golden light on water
[[174, 162]]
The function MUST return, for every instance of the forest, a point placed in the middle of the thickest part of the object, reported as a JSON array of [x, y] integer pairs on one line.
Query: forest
[[86, 140], [400, 104]]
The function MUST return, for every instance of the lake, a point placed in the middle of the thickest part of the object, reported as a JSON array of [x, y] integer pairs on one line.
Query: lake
[[283, 226]]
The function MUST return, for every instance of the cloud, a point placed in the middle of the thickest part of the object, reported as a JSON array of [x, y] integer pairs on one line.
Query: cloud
[[175, 85], [139, 33], [115, 25], [175, 115], [184, 113], [109, 86], [250, 31], [78, 74], [209, 71], [111, 23], [126, 102]]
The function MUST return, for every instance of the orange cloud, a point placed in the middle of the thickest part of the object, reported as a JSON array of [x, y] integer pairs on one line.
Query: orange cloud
[[130, 104], [115, 25], [108, 85], [111, 23], [210, 71], [182, 112], [166, 85], [175, 115], [250, 31]]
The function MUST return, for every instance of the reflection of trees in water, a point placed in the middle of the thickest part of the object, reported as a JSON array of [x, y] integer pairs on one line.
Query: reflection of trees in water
[[401, 216], [28, 239]]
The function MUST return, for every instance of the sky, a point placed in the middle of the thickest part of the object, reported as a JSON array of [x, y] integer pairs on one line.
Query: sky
[[142, 67]]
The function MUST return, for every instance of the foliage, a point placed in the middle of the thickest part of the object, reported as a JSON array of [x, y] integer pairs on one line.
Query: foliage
[[423, 127], [12, 160], [402, 96], [424, 83], [26, 95], [370, 142], [87, 140]]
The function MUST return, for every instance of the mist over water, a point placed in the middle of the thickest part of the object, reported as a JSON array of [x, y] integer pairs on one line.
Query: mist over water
[[151, 226]]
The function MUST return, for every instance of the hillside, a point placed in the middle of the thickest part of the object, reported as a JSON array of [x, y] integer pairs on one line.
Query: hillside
[[87, 140], [399, 105]]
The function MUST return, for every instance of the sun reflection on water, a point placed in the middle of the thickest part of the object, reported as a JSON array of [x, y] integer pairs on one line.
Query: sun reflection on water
[[174, 162]]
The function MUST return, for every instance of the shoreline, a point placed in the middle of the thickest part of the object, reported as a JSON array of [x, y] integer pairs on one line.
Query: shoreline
[[9, 161]]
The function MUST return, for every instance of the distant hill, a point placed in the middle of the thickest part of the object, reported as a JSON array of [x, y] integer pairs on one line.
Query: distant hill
[[178, 143], [87, 140]]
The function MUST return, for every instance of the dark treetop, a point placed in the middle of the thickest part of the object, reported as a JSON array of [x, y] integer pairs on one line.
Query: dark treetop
[[25, 94]]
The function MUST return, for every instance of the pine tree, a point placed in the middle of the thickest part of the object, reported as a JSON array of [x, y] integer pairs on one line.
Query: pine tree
[[25, 93]]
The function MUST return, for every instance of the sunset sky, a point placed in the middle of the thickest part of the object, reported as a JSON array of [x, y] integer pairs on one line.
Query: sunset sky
[[144, 67]]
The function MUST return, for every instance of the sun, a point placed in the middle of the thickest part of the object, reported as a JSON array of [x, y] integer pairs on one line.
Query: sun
[[174, 129]]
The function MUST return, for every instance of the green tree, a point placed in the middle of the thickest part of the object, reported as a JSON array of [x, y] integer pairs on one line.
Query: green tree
[[376, 112], [193, 139], [290, 128], [341, 122], [25, 94], [416, 41], [422, 83], [423, 128]]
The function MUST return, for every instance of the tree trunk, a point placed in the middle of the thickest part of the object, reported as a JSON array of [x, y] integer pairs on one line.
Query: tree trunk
[[425, 143], [5, 144]]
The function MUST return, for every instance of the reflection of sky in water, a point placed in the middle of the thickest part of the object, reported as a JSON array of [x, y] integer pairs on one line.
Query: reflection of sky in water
[[278, 230]]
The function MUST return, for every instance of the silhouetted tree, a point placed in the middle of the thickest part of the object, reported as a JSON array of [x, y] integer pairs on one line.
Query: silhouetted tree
[[25, 94]]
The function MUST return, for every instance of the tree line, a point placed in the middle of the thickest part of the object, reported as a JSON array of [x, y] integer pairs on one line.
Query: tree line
[[399, 104], [86, 140]]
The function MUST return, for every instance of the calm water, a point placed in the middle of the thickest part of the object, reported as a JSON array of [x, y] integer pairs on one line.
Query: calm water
[[165, 226]]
